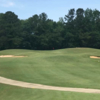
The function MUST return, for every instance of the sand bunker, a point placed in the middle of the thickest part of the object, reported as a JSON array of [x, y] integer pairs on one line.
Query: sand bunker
[[95, 57], [6, 56]]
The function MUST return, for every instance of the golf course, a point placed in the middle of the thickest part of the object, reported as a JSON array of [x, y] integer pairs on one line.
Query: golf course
[[70, 67]]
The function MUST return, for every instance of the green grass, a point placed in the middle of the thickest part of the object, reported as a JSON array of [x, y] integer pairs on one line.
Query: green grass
[[16, 93], [66, 67]]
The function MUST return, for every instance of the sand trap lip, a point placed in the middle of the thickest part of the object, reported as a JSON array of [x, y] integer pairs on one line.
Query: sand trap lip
[[95, 57], [7, 56]]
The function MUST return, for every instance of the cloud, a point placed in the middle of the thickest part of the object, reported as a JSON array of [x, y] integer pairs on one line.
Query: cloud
[[8, 4], [5, 3]]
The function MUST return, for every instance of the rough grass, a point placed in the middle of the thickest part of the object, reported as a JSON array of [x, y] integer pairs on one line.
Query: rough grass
[[66, 67], [16, 93]]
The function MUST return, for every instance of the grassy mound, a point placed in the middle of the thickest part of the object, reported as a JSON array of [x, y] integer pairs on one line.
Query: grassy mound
[[65, 67]]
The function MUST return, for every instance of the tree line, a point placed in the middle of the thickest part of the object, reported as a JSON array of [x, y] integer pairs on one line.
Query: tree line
[[78, 28]]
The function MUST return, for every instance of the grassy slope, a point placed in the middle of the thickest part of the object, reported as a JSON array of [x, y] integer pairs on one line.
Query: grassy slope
[[16, 93], [66, 67]]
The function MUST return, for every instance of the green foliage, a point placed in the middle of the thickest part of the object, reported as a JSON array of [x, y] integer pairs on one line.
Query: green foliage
[[79, 28], [9, 31]]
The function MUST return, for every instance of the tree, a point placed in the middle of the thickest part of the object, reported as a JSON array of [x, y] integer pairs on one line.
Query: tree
[[79, 20], [10, 29], [70, 23], [70, 16]]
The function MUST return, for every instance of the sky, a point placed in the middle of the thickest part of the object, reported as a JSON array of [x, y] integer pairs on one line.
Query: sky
[[53, 8]]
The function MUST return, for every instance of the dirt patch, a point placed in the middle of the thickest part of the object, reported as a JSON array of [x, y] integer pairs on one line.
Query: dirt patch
[[95, 57], [7, 56]]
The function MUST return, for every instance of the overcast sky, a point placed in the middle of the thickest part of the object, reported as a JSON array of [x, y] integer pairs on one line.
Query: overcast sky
[[53, 8]]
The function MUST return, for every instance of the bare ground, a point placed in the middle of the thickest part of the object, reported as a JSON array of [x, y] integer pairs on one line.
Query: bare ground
[[46, 87], [94, 57], [7, 56]]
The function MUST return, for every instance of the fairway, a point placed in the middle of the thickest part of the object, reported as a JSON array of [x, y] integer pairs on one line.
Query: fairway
[[15, 93], [71, 67]]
